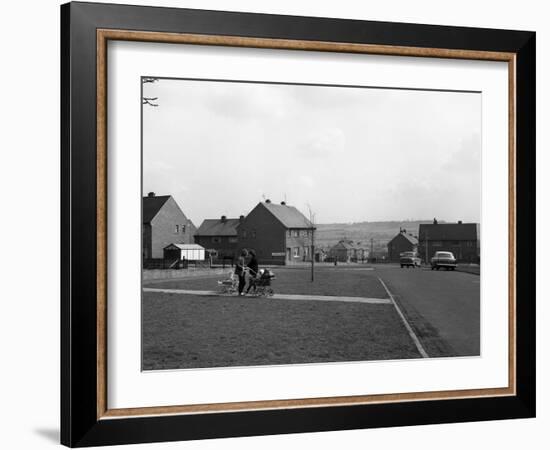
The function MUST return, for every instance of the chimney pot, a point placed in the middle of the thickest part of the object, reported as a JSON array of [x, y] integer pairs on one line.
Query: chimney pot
[[224, 218], [460, 222], [241, 218], [283, 203], [151, 194], [268, 201]]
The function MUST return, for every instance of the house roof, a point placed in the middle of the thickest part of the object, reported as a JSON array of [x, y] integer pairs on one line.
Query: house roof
[[448, 232], [218, 227], [407, 236], [186, 246], [152, 205], [345, 245], [289, 216]]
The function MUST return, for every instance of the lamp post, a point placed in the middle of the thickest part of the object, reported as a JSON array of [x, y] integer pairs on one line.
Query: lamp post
[[312, 256]]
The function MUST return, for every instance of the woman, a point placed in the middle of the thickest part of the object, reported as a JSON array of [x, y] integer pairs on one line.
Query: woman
[[252, 271], [240, 270]]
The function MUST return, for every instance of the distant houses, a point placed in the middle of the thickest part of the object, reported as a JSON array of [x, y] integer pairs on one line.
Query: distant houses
[[278, 233], [220, 237], [402, 242], [163, 223], [348, 251], [281, 235], [462, 239], [321, 254]]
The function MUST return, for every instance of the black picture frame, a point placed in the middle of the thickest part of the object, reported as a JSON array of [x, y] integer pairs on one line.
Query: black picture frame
[[80, 425]]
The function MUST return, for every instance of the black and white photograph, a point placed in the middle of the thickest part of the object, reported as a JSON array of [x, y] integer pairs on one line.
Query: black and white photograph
[[305, 224]]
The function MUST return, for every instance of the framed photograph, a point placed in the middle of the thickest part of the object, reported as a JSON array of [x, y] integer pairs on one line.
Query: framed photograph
[[277, 224]]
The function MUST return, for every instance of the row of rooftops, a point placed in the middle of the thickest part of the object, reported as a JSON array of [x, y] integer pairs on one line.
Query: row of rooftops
[[443, 232], [347, 244], [289, 216], [448, 231]]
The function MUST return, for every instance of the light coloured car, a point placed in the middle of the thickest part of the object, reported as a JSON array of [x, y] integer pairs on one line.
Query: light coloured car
[[445, 260], [409, 259]]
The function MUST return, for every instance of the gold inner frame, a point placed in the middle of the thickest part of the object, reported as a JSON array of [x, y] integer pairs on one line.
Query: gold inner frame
[[104, 35]]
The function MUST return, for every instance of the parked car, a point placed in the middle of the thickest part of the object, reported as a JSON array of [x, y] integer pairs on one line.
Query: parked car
[[409, 259], [444, 260]]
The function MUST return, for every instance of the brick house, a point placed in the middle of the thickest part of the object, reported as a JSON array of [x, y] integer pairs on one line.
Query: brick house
[[342, 251], [403, 242], [221, 236], [348, 251], [278, 233], [163, 223], [460, 238]]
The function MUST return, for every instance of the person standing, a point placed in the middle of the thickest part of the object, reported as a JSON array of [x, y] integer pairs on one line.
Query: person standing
[[252, 271], [240, 270]]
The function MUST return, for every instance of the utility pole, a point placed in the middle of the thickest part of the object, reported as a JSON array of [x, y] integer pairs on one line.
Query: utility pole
[[371, 247], [313, 255]]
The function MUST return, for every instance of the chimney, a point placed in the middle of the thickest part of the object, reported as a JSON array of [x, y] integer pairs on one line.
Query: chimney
[[224, 219], [268, 201], [241, 219], [151, 194], [283, 203], [460, 222]]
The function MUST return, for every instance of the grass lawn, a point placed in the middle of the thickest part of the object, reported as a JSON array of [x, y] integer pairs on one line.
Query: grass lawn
[[185, 331], [328, 281]]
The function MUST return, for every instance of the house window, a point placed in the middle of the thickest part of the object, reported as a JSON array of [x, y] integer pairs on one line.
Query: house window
[[296, 252], [296, 233], [216, 239], [183, 229], [177, 230], [233, 240], [456, 243], [436, 244], [244, 234], [253, 235], [289, 233]]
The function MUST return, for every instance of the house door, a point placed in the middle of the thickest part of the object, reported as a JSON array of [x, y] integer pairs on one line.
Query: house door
[[288, 254]]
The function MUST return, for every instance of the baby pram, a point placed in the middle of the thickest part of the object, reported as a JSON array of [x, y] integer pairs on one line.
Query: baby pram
[[261, 285], [230, 285]]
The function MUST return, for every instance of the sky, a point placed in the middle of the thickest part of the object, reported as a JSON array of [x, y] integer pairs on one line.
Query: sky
[[350, 154]]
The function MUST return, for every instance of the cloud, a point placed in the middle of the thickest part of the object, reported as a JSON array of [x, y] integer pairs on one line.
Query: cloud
[[307, 181], [467, 159], [323, 143]]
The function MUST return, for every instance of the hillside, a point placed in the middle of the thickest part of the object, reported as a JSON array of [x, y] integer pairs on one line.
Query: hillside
[[380, 232]]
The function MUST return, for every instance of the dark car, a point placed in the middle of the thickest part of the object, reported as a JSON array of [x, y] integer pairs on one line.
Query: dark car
[[445, 260], [409, 259]]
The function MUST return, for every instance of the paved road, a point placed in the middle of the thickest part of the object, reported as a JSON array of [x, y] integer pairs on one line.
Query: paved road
[[441, 306]]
